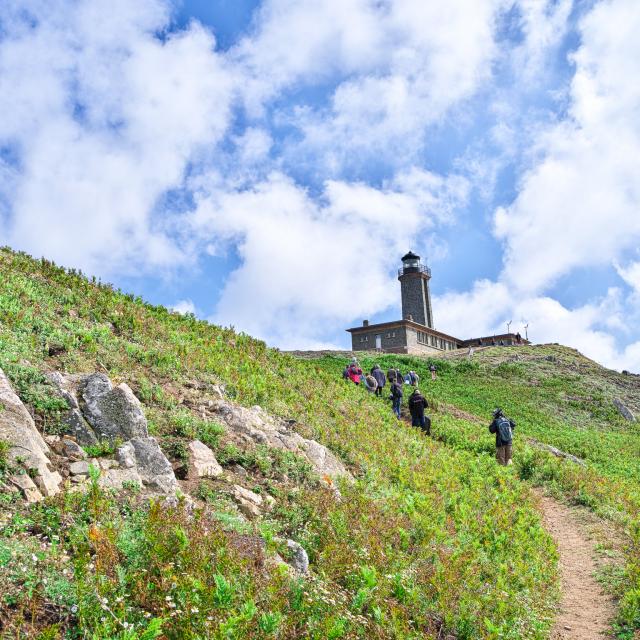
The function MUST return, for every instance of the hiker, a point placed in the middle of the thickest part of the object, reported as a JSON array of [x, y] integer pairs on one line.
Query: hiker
[[413, 378], [371, 383], [355, 372], [345, 373], [396, 397], [503, 427], [470, 353], [391, 376], [432, 368], [399, 377], [417, 404], [378, 374]]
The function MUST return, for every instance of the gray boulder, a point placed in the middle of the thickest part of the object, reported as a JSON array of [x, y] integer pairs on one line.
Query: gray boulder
[[299, 558], [113, 413], [624, 411], [27, 448], [145, 457]]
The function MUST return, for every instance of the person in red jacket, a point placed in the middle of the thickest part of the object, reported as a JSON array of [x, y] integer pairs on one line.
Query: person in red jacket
[[355, 372]]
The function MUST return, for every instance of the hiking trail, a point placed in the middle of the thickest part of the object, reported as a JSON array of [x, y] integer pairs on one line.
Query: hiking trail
[[585, 611]]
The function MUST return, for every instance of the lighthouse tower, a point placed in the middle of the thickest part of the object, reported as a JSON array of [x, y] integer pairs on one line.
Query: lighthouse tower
[[414, 287]]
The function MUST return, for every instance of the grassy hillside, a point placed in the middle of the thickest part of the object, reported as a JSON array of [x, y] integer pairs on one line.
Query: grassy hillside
[[557, 397], [432, 538]]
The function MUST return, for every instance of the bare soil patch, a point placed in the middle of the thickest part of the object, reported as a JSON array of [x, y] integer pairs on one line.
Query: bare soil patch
[[585, 610]]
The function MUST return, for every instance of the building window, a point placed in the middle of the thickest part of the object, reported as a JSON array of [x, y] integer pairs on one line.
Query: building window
[[361, 339], [393, 334]]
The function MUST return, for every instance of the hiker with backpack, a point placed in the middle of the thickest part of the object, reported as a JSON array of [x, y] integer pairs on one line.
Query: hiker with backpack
[[413, 379], [370, 383], [503, 427], [391, 376], [381, 379], [396, 396], [417, 404]]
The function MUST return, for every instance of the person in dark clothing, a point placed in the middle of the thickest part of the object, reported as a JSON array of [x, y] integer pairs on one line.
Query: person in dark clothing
[[432, 368], [378, 374], [396, 397], [417, 404], [399, 377], [345, 373], [391, 376], [503, 427]]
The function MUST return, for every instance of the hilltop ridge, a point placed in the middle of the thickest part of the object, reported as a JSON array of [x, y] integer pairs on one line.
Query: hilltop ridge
[[423, 542]]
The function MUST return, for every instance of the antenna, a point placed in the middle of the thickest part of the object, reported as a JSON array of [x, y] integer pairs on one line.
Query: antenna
[[526, 333], [509, 326]]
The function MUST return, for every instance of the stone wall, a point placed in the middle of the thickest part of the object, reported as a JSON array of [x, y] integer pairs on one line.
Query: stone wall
[[394, 339]]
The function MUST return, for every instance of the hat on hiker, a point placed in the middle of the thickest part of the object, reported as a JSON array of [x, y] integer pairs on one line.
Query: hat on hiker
[[497, 412]]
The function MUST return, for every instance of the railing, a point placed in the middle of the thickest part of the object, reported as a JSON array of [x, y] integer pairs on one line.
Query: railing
[[419, 269]]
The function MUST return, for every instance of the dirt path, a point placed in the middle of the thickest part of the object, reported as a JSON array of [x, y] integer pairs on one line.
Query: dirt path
[[585, 610]]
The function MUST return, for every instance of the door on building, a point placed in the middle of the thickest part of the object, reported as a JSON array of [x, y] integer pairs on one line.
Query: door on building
[[379, 342]]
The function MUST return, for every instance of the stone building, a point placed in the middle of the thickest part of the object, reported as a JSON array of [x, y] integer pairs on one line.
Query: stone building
[[415, 333]]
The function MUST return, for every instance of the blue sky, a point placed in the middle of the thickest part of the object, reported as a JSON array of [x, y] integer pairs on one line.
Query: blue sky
[[265, 164]]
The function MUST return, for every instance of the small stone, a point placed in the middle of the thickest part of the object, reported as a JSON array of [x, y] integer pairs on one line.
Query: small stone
[[248, 508], [27, 486], [107, 463], [240, 493], [72, 449], [239, 470], [299, 558], [202, 462], [48, 482], [52, 439], [79, 468]]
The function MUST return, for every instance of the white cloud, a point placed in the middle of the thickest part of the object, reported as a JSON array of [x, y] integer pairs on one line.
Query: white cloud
[[420, 60], [184, 307], [318, 263], [486, 309], [104, 116], [579, 206]]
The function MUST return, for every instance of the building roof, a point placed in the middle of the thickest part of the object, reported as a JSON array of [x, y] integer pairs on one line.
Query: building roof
[[407, 323]]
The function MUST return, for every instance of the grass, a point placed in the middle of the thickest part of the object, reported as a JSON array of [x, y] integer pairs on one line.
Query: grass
[[557, 397], [431, 538]]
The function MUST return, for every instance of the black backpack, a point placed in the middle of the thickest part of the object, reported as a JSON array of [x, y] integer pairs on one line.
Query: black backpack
[[504, 430]]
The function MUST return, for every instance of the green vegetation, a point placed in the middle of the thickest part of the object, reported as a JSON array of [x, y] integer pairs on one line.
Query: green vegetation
[[557, 397], [432, 537]]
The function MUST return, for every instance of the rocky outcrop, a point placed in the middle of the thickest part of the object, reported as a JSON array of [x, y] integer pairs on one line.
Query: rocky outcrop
[[28, 452], [145, 457], [98, 410], [624, 411], [113, 413], [256, 425], [202, 461]]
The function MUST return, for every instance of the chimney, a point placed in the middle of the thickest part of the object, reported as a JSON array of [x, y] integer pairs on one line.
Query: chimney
[[365, 323]]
